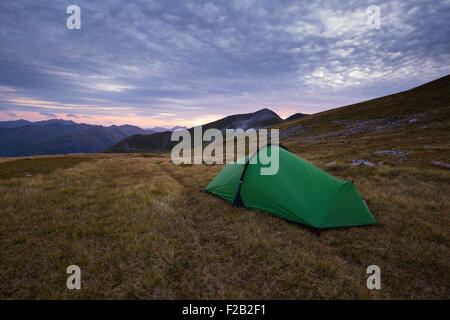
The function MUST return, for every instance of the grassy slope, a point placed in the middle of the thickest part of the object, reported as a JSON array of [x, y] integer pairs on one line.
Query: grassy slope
[[432, 96], [141, 227]]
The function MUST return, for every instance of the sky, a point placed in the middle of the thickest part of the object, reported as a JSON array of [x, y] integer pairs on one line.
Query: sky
[[166, 63]]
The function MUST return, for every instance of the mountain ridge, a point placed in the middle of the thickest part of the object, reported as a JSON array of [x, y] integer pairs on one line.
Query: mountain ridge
[[161, 141]]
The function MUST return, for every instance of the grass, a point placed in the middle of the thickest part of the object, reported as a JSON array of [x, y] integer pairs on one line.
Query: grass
[[141, 227], [37, 165]]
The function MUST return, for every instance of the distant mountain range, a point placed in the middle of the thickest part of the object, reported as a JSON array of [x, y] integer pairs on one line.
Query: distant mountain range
[[21, 137], [57, 136], [161, 141]]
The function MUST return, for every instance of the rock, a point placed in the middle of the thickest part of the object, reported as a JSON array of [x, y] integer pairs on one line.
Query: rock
[[438, 124], [400, 154], [28, 175], [294, 131], [332, 163], [356, 163], [413, 120], [390, 152], [440, 164]]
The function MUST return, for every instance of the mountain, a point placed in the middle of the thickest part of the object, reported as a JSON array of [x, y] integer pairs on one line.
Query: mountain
[[178, 128], [23, 138], [256, 120], [14, 124], [54, 121], [296, 116], [161, 141], [161, 129]]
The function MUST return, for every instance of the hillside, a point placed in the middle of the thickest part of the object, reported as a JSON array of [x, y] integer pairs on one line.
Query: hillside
[[425, 105], [21, 138], [296, 116], [161, 142]]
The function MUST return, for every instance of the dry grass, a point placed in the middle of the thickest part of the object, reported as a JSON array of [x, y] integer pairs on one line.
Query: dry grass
[[141, 227]]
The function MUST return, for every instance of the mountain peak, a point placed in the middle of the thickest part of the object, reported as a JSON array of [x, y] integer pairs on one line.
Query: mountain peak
[[14, 123], [53, 121], [266, 110]]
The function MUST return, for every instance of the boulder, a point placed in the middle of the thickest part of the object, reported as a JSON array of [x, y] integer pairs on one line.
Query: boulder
[[356, 163]]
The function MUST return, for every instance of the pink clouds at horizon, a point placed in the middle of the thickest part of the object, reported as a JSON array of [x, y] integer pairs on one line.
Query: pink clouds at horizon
[[284, 109], [32, 116], [146, 122]]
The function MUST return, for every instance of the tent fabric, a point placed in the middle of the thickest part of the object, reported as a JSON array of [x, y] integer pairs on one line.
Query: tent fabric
[[299, 192]]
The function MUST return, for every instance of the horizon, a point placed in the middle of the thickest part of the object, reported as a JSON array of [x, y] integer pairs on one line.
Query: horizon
[[46, 118], [146, 128], [87, 123], [185, 64]]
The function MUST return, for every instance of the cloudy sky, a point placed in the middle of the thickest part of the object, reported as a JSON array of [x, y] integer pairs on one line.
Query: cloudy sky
[[188, 62]]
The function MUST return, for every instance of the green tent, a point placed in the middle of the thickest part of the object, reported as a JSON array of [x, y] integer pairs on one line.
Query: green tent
[[299, 191]]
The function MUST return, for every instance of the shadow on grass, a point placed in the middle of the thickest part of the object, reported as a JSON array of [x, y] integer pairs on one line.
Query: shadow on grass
[[34, 166]]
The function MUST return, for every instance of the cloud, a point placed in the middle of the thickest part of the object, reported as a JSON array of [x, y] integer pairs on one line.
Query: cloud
[[193, 59], [47, 114]]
